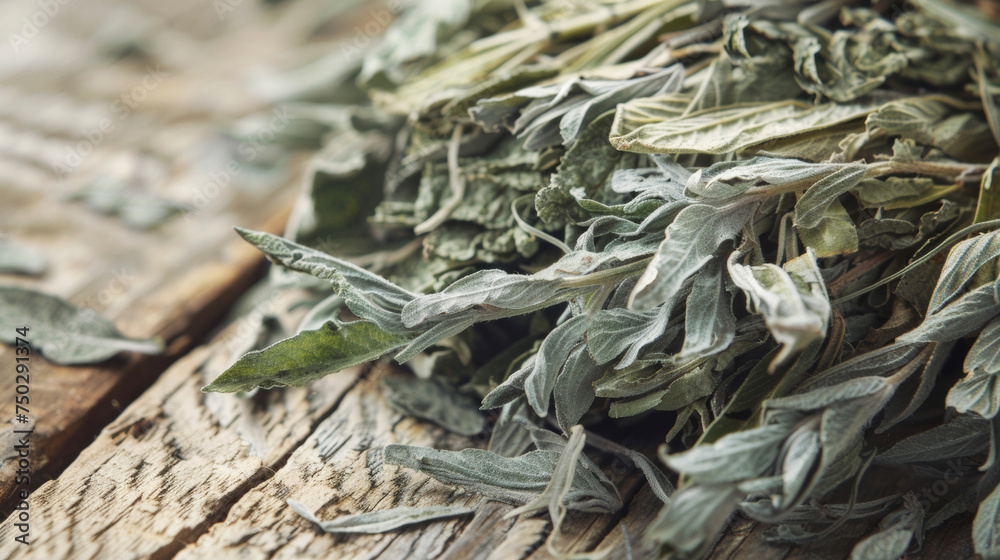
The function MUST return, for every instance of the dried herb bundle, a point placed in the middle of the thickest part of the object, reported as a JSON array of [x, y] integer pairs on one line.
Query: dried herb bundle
[[770, 230]]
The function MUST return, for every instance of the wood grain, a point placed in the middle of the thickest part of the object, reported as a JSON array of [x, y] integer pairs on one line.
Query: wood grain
[[169, 466], [175, 281]]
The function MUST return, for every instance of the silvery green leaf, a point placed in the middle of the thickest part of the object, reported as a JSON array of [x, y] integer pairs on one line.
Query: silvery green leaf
[[653, 126], [911, 117], [509, 438], [658, 482], [439, 331], [587, 165], [573, 392], [637, 405], [658, 82], [696, 384], [320, 313], [516, 480], [562, 477], [964, 21], [985, 352], [512, 388], [896, 530], [846, 408], [367, 295], [916, 388], [709, 323], [801, 454], [884, 361], [733, 458], [820, 513], [63, 333], [380, 521], [965, 435], [835, 233], [986, 527], [965, 315], [644, 378], [897, 234], [20, 259], [792, 298], [564, 474], [811, 207], [557, 113], [308, 356], [691, 241], [846, 64], [613, 331], [434, 400], [665, 181], [689, 524], [977, 392], [417, 34], [551, 357], [732, 178], [963, 261], [486, 290]]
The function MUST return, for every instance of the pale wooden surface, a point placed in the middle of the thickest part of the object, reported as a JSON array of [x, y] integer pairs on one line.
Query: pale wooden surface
[[176, 281]]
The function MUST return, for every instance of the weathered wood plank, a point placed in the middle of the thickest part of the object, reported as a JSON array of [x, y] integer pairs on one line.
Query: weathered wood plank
[[170, 466], [640, 512], [339, 470], [180, 303], [175, 281]]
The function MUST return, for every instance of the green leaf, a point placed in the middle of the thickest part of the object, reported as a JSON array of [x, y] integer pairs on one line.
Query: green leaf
[[963, 261], [513, 480], [733, 458], [64, 334], [709, 323], [553, 353], [811, 207], [964, 436], [986, 527], [308, 356], [895, 531], [573, 392], [611, 332], [792, 299], [835, 233], [485, 291], [380, 521], [691, 241], [367, 295], [688, 526], [988, 207], [654, 126]]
